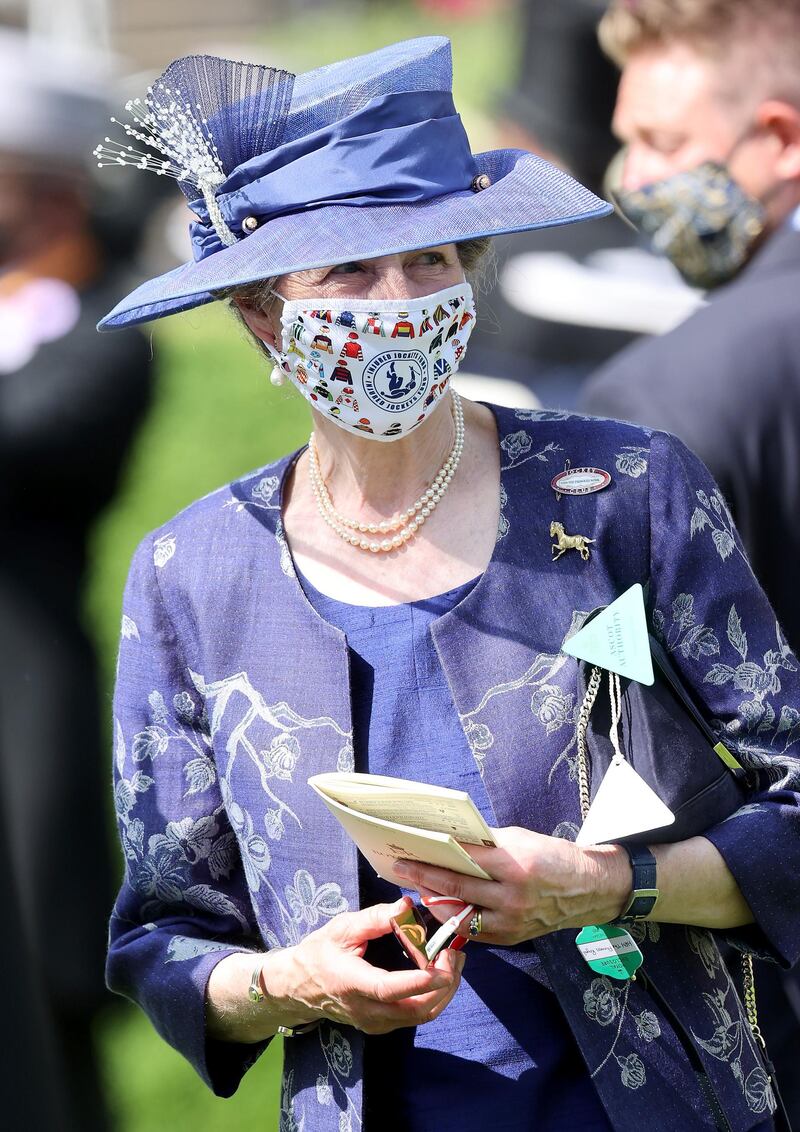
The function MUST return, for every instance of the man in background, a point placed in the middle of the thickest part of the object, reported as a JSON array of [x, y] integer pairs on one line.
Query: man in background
[[70, 403], [708, 111], [709, 114], [559, 107]]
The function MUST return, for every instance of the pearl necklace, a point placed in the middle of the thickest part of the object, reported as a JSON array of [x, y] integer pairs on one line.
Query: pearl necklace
[[404, 525]]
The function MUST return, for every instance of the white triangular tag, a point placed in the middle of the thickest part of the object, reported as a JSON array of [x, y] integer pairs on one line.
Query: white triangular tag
[[623, 805], [616, 639]]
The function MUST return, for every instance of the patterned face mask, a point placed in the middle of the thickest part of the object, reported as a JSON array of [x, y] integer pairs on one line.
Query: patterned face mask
[[377, 367], [700, 219]]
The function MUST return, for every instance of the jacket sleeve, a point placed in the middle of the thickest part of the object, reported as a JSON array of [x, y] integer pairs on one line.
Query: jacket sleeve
[[183, 903], [724, 637]]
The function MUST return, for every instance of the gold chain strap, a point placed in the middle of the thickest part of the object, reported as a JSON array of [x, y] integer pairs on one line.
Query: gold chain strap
[[584, 782], [749, 985]]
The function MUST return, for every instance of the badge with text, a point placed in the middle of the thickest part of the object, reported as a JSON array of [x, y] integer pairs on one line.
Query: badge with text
[[579, 481], [610, 951], [616, 639]]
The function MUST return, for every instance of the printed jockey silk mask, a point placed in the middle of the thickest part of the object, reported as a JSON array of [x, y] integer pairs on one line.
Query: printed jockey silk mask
[[377, 367]]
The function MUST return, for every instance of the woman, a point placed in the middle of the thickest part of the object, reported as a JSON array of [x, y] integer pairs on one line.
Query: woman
[[388, 597]]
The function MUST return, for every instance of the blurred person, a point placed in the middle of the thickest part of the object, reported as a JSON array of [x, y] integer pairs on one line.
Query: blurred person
[[549, 286], [70, 404], [388, 597], [709, 115], [709, 112]]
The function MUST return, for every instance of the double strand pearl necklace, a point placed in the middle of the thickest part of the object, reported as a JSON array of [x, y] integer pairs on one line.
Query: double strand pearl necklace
[[405, 525]]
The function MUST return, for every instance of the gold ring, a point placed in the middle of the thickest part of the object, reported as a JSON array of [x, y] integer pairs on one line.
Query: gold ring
[[476, 923]]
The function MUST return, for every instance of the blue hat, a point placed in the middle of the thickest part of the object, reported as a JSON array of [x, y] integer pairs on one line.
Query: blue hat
[[354, 160]]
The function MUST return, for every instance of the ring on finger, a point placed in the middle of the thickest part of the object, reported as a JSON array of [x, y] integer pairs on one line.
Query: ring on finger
[[476, 923]]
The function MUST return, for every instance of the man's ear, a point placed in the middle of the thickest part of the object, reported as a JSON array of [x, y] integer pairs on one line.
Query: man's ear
[[782, 120], [260, 322]]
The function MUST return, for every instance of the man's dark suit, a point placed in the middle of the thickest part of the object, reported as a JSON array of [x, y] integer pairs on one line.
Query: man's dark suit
[[727, 382]]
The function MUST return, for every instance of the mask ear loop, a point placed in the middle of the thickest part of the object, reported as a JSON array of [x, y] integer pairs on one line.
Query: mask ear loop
[[276, 377]]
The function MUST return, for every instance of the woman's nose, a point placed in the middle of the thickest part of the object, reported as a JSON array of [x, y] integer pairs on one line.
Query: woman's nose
[[397, 284], [394, 278]]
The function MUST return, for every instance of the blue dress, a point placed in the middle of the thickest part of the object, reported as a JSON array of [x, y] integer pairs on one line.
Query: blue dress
[[501, 1056]]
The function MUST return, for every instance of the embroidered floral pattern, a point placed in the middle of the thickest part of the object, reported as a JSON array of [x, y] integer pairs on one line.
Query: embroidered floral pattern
[[163, 549], [549, 709], [339, 1054], [632, 1071], [631, 460], [601, 1002], [685, 635], [607, 1004], [727, 1044], [647, 1025], [129, 630], [346, 760], [703, 945], [517, 447], [503, 525], [324, 1092], [264, 492], [282, 756], [183, 947], [543, 415], [310, 902], [713, 514], [288, 1120], [553, 708]]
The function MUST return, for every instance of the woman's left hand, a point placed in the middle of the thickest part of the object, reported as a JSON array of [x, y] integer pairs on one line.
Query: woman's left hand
[[540, 884]]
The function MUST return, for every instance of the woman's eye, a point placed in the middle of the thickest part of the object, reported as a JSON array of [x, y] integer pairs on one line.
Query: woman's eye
[[345, 269], [430, 258]]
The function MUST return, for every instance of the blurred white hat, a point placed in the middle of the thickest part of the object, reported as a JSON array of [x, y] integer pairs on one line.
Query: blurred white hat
[[52, 102]]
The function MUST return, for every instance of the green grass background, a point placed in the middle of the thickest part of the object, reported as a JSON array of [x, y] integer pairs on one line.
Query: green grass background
[[216, 416]]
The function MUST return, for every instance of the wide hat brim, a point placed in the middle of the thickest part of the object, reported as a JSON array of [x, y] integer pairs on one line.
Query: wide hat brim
[[526, 193]]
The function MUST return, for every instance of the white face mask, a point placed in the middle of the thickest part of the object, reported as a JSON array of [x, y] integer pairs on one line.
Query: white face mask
[[377, 367]]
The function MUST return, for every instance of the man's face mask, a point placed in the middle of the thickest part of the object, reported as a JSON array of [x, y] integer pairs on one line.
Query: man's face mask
[[700, 219], [377, 367]]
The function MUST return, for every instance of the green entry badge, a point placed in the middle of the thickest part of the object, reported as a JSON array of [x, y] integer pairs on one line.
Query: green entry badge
[[609, 950]]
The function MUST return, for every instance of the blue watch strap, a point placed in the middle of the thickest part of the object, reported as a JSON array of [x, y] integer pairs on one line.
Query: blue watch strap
[[644, 892]]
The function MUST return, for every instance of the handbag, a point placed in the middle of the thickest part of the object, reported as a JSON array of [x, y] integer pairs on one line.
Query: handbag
[[667, 740]]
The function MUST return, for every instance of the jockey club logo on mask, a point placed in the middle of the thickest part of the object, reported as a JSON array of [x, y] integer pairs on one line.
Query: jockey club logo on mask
[[396, 380], [376, 367]]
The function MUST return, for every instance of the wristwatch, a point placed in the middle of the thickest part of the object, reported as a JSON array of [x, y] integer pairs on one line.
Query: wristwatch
[[645, 893]]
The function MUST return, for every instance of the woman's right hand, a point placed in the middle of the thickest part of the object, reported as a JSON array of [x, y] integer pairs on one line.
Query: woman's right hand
[[326, 976]]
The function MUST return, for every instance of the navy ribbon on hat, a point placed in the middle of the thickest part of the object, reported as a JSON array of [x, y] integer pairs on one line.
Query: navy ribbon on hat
[[398, 148]]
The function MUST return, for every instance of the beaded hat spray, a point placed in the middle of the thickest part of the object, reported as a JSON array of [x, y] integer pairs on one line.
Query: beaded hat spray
[[235, 111]]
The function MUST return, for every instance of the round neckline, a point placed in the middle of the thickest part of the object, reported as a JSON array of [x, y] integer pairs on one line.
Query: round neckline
[[305, 582]]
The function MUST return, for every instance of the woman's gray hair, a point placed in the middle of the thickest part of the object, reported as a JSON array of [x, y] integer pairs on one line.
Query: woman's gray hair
[[476, 256]]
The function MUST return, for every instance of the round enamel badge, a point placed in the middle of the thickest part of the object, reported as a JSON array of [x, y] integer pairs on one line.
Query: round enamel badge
[[580, 481]]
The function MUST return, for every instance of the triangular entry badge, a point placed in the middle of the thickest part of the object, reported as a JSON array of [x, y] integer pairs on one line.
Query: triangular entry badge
[[616, 639], [624, 805]]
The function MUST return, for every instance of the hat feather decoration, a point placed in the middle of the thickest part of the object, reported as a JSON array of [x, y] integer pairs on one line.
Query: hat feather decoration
[[203, 117]]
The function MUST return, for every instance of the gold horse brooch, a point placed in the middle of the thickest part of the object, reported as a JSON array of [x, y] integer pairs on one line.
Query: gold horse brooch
[[569, 542]]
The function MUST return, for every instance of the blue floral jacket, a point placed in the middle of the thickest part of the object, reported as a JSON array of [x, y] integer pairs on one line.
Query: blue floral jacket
[[231, 691]]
